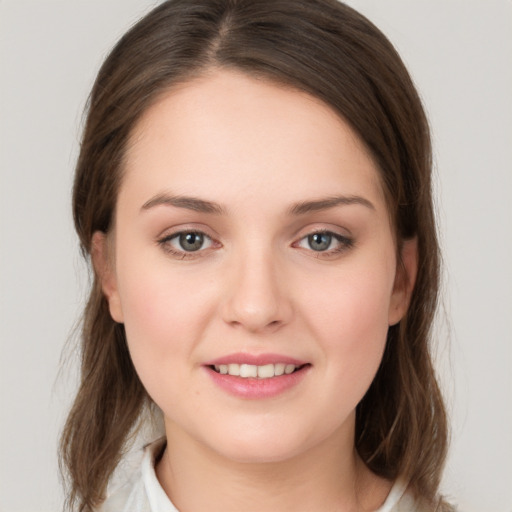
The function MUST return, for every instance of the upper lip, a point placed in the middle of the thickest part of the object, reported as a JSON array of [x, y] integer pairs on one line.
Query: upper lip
[[255, 359]]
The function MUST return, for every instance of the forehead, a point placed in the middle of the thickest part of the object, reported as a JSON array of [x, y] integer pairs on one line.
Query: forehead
[[228, 133]]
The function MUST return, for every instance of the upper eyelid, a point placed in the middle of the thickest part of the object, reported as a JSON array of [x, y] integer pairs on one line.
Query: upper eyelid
[[170, 232], [174, 234], [337, 236], [334, 230], [323, 230]]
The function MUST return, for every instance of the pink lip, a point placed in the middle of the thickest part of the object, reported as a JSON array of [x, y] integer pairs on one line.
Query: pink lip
[[253, 388], [255, 359]]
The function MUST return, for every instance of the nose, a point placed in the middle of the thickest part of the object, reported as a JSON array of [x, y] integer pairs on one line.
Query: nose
[[257, 299]]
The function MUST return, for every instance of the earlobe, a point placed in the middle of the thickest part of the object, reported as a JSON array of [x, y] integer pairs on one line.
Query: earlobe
[[405, 280], [104, 269]]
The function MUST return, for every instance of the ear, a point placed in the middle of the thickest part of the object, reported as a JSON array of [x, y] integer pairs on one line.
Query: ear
[[104, 267], [405, 278]]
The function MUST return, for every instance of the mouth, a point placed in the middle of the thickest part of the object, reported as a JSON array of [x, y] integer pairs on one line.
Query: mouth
[[257, 377], [260, 372]]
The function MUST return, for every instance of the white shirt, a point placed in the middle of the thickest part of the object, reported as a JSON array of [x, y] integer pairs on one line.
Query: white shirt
[[143, 492]]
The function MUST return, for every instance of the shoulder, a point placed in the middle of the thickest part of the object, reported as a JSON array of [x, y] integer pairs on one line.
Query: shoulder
[[131, 497], [142, 492], [401, 500]]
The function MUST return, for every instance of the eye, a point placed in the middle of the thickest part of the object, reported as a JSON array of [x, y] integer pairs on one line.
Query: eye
[[190, 242], [319, 241], [325, 242], [186, 242]]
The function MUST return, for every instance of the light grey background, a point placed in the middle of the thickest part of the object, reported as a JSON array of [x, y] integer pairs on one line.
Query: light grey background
[[459, 53]]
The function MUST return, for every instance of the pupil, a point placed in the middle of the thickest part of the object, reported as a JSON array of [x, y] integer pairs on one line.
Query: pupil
[[191, 241], [319, 241]]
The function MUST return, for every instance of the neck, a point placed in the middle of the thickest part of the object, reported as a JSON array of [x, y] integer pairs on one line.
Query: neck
[[330, 476]]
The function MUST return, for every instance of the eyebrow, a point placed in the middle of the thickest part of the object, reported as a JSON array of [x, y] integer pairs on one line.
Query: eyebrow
[[204, 206], [327, 203], [187, 202]]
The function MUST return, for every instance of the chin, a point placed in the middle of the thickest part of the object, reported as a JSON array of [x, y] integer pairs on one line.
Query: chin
[[245, 453]]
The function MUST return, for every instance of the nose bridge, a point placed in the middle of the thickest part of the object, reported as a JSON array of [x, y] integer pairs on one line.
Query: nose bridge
[[257, 298]]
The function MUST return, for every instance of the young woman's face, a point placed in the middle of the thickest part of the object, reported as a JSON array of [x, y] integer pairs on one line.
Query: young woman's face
[[252, 237]]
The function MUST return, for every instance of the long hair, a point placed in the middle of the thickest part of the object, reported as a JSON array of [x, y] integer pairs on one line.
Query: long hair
[[332, 52]]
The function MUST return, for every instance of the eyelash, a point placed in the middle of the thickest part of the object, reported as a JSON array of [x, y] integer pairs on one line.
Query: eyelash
[[344, 244], [166, 244]]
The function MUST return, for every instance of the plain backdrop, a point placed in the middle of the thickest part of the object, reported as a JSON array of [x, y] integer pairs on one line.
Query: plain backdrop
[[460, 55]]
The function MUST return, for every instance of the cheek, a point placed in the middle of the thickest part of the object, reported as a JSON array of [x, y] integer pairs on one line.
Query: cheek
[[354, 300], [164, 314], [350, 320]]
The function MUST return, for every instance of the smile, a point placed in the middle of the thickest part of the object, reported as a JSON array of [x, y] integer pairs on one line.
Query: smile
[[266, 371], [257, 377]]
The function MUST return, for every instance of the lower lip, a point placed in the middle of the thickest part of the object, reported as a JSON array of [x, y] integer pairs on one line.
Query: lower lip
[[257, 389]]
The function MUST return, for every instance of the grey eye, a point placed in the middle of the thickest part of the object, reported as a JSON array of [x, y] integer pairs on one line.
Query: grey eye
[[185, 244], [320, 241], [190, 242]]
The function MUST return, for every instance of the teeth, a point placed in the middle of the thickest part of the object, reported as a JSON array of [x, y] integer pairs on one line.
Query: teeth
[[248, 370], [266, 371], [289, 368], [233, 369], [279, 369]]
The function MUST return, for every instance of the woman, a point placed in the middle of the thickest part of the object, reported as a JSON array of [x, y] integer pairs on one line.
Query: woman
[[253, 190]]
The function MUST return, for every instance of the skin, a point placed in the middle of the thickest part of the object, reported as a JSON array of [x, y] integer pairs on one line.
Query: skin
[[256, 150]]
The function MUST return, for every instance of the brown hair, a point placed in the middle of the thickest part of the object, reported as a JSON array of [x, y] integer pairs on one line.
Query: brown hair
[[330, 51]]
